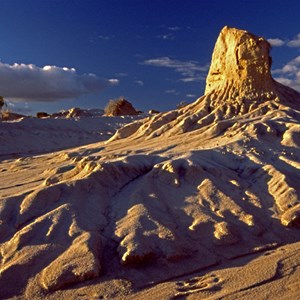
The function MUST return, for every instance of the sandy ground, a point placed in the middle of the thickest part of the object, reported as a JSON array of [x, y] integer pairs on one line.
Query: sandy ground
[[196, 203], [272, 274]]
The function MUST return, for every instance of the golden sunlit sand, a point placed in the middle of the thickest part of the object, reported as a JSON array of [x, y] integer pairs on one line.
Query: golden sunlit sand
[[196, 203]]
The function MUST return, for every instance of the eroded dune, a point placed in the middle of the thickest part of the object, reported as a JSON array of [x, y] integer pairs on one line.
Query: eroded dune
[[166, 196]]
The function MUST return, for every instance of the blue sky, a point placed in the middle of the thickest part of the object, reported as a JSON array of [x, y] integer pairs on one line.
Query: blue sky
[[60, 54]]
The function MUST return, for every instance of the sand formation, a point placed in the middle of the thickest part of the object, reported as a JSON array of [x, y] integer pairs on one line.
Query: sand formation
[[166, 195]]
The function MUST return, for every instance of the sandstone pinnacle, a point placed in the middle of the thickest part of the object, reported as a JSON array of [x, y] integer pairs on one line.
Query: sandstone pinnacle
[[240, 70], [240, 59]]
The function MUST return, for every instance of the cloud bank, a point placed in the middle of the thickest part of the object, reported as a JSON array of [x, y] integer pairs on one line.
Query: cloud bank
[[190, 70], [289, 74], [276, 42], [293, 43], [21, 82]]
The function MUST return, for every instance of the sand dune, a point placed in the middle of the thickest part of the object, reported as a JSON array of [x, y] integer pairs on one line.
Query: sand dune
[[198, 203], [36, 136]]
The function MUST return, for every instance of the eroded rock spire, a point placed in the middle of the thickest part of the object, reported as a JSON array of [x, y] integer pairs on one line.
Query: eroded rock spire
[[240, 70], [240, 59]]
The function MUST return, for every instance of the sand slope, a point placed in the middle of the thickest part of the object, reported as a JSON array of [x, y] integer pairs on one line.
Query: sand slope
[[35, 136], [166, 196]]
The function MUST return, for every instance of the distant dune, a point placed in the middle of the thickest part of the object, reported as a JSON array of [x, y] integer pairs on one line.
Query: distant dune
[[71, 128], [201, 202]]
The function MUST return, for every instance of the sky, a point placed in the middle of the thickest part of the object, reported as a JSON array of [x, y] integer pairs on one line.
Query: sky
[[58, 54]]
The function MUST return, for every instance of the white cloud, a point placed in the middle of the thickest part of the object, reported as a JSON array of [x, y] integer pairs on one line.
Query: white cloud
[[289, 68], [276, 42], [139, 82], [284, 81], [171, 92], [295, 43], [191, 70], [112, 81], [289, 74], [292, 67], [105, 37], [174, 28], [191, 95], [168, 36], [191, 79], [21, 82], [293, 83]]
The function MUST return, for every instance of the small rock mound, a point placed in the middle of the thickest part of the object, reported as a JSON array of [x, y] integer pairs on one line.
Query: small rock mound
[[120, 107], [10, 116], [42, 114]]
